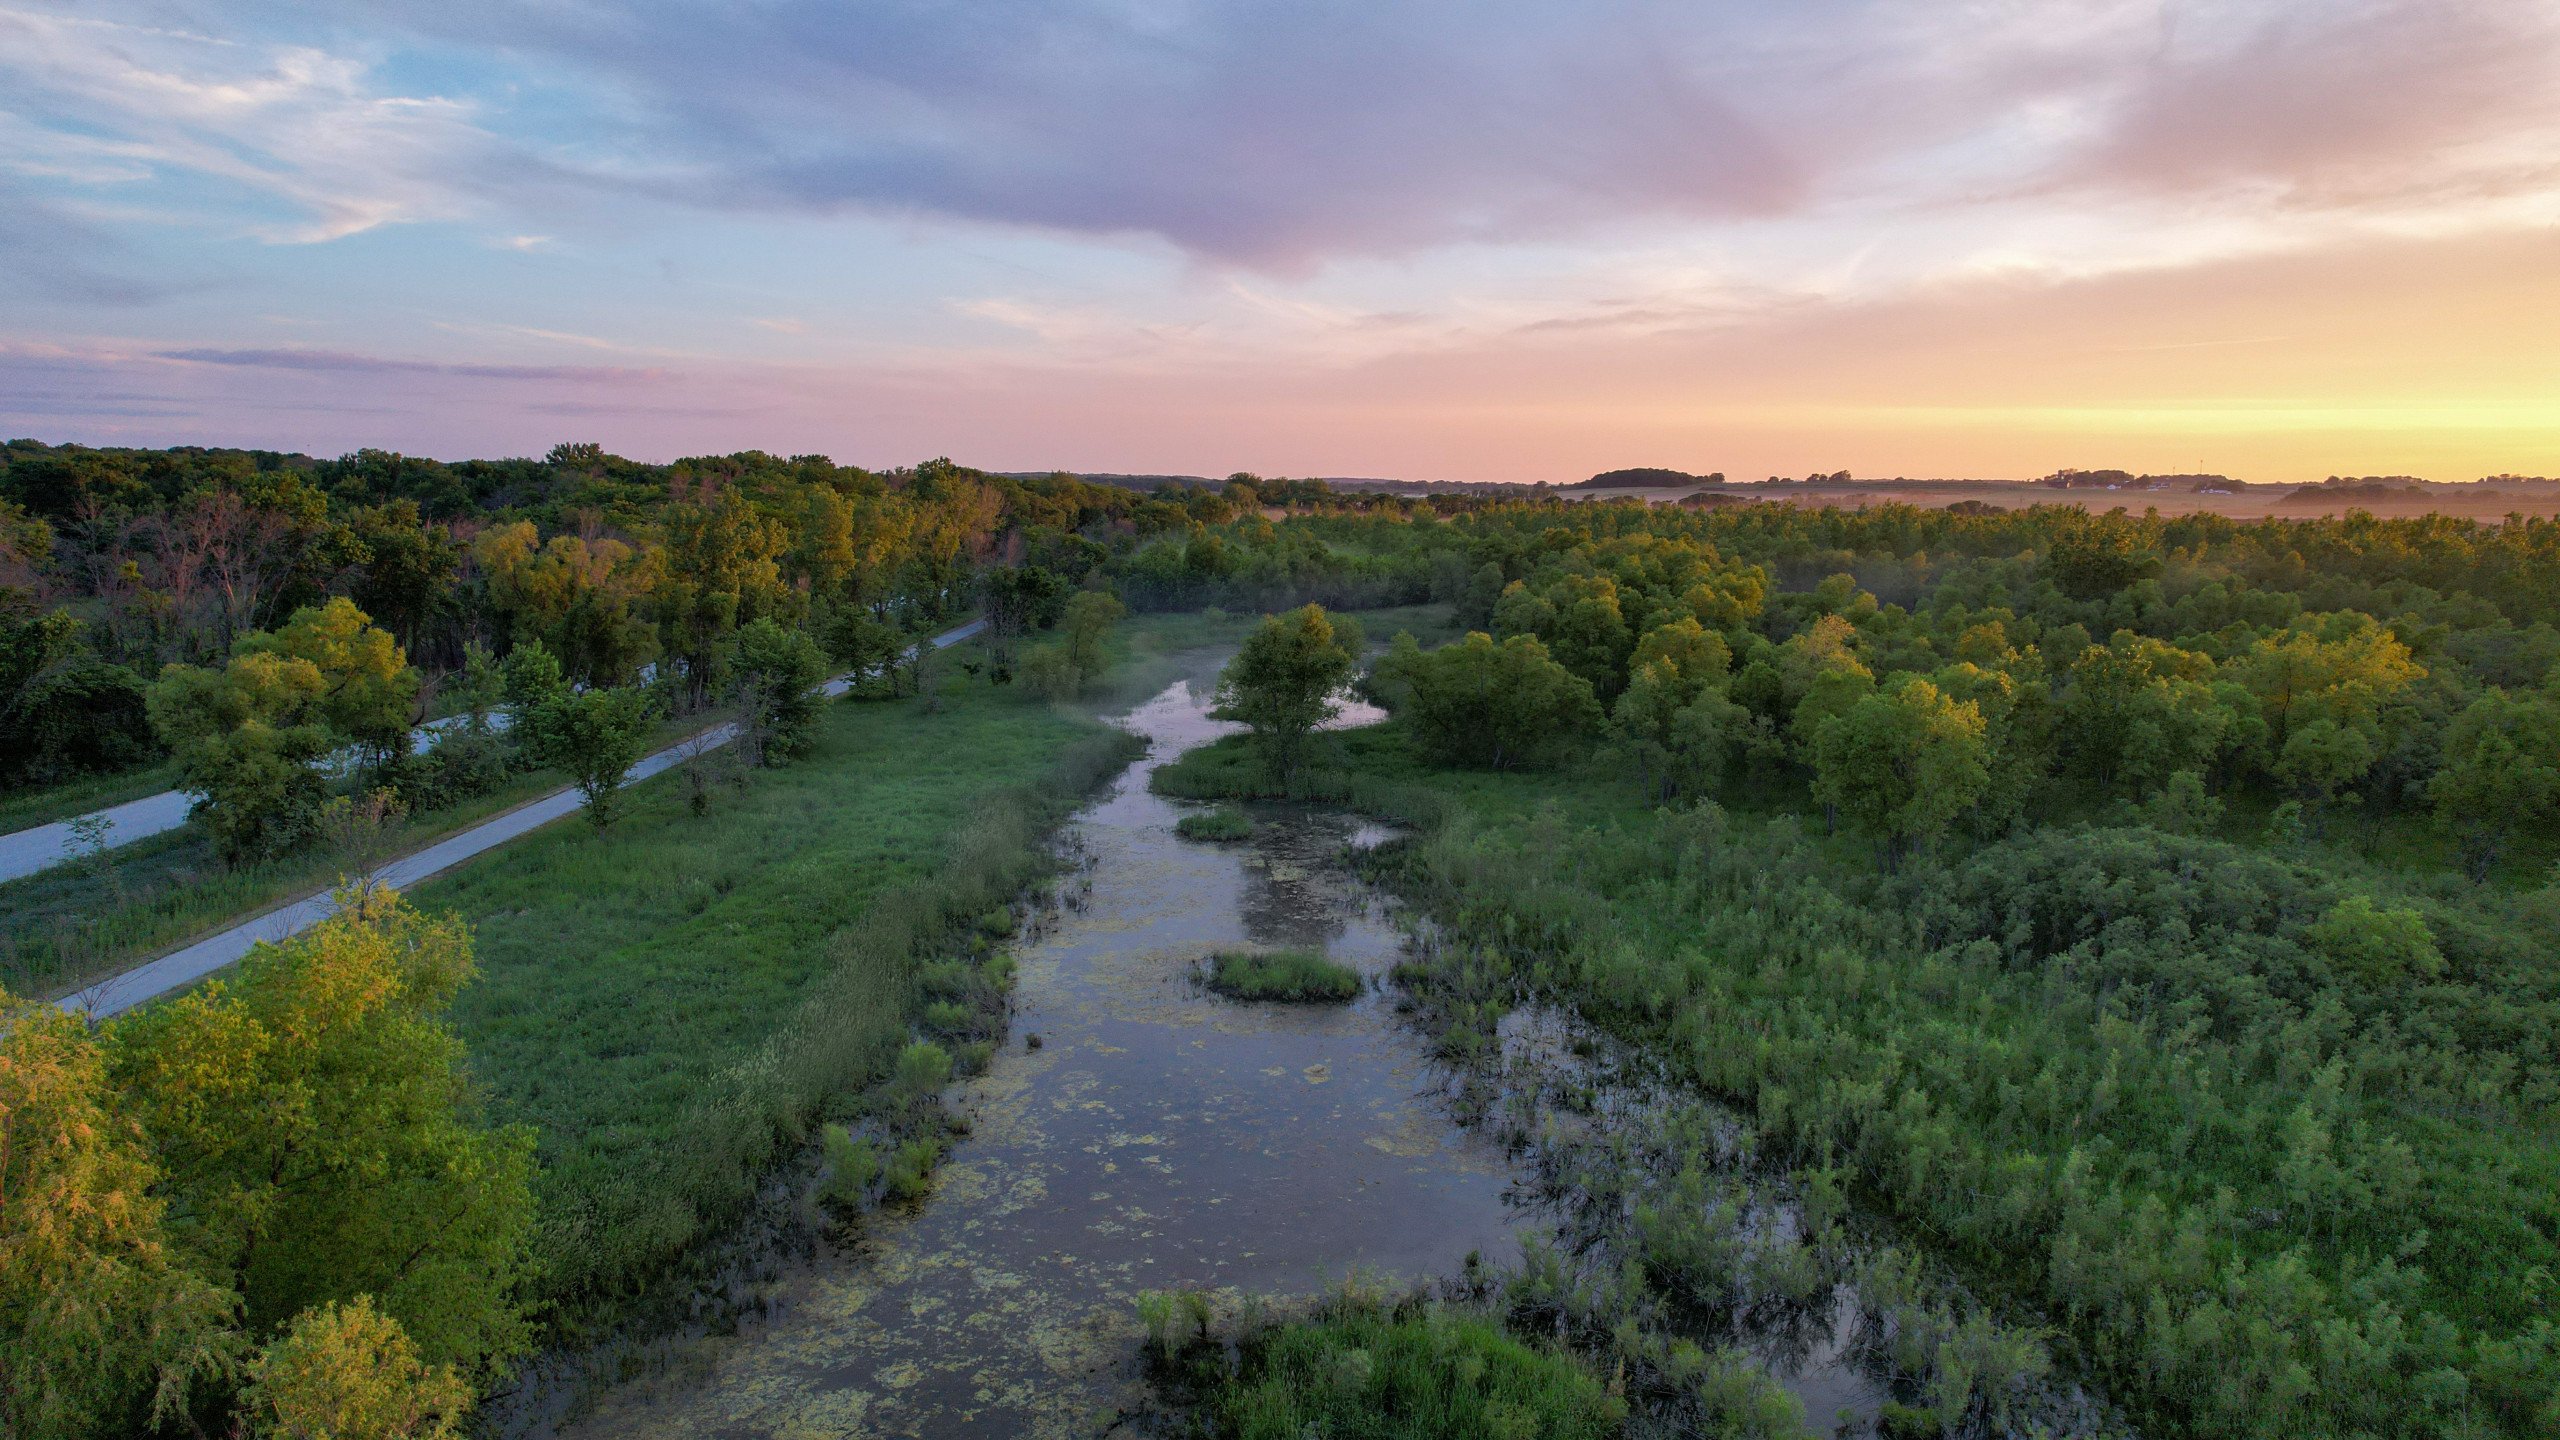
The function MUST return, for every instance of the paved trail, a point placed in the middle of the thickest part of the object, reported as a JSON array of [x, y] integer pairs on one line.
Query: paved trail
[[186, 966], [41, 847]]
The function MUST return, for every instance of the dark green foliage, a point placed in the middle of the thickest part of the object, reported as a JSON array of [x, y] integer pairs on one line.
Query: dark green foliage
[[595, 737], [1484, 705], [1279, 975], [1224, 823], [1284, 681], [63, 710], [777, 672]]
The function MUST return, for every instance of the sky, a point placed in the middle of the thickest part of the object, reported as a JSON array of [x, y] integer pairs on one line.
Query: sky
[[1488, 240]]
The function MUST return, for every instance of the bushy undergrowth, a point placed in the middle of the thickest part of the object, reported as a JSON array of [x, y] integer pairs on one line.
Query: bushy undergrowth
[[1279, 975], [1224, 823]]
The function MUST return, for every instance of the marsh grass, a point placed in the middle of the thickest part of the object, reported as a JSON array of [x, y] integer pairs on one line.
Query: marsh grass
[[677, 1002], [1224, 823], [1363, 1364], [1295, 975]]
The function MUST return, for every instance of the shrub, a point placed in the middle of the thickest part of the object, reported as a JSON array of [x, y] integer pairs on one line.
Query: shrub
[[1280, 975], [348, 1372], [852, 1166], [1412, 1371], [1224, 823], [911, 1169]]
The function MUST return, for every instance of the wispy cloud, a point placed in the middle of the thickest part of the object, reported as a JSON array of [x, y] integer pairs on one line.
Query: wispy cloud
[[313, 146], [341, 362]]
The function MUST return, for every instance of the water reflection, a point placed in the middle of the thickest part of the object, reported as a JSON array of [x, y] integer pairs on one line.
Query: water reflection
[[1157, 1137]]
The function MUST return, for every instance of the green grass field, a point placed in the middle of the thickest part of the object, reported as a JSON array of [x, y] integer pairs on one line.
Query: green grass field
[[619, 968]]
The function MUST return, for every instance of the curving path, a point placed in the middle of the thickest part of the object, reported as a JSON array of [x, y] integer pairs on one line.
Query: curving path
[[185, 966]]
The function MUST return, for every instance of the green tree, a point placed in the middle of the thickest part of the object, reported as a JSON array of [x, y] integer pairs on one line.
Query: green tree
[[63, 709], [1282, 683], [246, 738], [1086, 621], [349, 1372], [1486, 705], [2320, 694], [409, 567], [596, 736], [2140, 710], [103, 1328], [777, 672], [368, 693], [2501, 775], [1902, 763], [2374, 945], [319, 1136]]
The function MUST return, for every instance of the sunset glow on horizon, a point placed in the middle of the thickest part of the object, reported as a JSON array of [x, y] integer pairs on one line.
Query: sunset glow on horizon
[[1428, 241]]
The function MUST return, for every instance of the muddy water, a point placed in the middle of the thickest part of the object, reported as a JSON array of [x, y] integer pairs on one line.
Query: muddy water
[[1157, 1137]]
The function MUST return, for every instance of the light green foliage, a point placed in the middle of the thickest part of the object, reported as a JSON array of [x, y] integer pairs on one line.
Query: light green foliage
[[2376, 946], [368, 693], [319, 1136], [1283, 681], [2321, 694], [853, 1166], [1280, 975], [777, 673], [910, 1170], [2183, 807], [349, 1372], [1086, 625], [105, 1326], [1821, 676], [596, 736], [246, 737], [1486, 705], [1901, 764], [530, 678]]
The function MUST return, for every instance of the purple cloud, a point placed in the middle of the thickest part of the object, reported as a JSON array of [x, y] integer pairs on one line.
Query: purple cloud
[[340, 362]]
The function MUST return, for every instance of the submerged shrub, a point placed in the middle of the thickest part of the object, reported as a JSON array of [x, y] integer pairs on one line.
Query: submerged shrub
[[1224, 823], [852, 1166], [910, 1170]]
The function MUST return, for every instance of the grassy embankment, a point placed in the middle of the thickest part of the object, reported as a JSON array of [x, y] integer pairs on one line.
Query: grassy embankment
[[2109, 1075], [64, 927], [677, 1002], [680, 1002], [42, 805]]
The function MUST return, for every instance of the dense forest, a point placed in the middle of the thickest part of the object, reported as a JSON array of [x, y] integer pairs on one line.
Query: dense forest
[[2151, 919]]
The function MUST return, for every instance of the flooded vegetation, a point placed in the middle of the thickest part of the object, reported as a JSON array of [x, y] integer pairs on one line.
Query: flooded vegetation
[[1168, 1194], [1137, 1134]]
